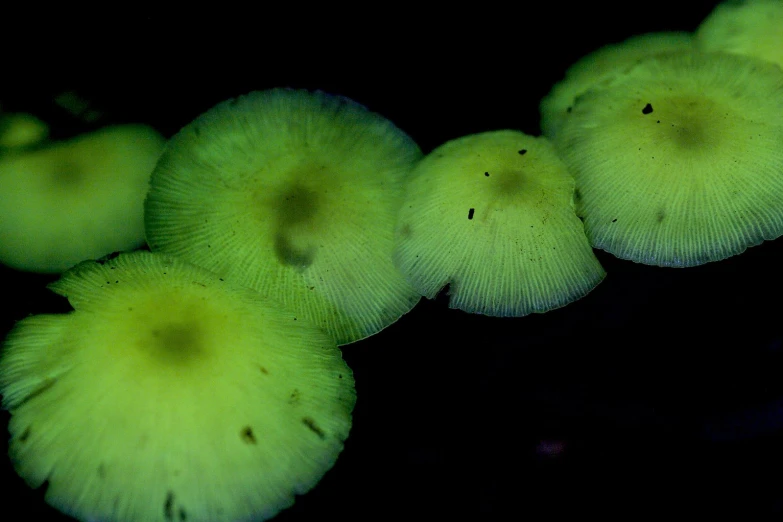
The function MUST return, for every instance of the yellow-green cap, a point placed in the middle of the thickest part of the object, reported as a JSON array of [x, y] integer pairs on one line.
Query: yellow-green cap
[[679, 161], [294, 194], [169, 394], [491, 215], [78, 199]]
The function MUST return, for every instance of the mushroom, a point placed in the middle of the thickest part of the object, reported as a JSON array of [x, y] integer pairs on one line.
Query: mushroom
[[294, 194], [169, 394], [600, 65], [679, 161], [21, 129], [77, 199], [491, 215], [753, 28]]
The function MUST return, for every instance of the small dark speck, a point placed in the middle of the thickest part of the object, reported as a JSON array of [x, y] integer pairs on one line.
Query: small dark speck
[[614, 220], [522, 152], [117, 281], [311, 288], [221, 279], [568, 110], [25, 435], [647, 109], [247, 435], [264, 370], [470, 213], [486, 174], [660, 215], [339, 375], [182, 515], [310, 423], [659, 121]]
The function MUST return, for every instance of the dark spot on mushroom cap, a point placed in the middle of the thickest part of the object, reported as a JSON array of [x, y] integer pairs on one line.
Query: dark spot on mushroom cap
[[470, 213], [614, 220], [247, 435], [168, 506], [522, 152], [291, 256], [486, 174], [310, 423], [647, 109], [177, 341], [68, 175], [297, 206]]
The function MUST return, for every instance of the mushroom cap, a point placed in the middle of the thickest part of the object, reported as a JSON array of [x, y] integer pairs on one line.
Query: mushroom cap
[[294, 194], [21, 129], [492, 216], [75, 200], [600, 65], [679, 162], [753, 28], [171, 395]]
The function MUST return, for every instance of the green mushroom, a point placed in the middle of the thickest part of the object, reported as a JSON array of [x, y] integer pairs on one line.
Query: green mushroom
[[294, 194], [79, 199], [491, 215], [678, 162], [169, 394]]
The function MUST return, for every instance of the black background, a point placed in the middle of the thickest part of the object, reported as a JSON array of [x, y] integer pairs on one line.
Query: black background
[[656, 383]]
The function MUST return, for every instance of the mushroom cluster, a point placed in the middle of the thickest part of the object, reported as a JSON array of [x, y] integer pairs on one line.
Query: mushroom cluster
[[203, 381]]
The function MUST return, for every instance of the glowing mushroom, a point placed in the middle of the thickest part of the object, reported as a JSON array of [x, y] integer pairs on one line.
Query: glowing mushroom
[[679, 161], [491, 215], [294, 194], [76, 200], [171, 395], [21, 129]]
